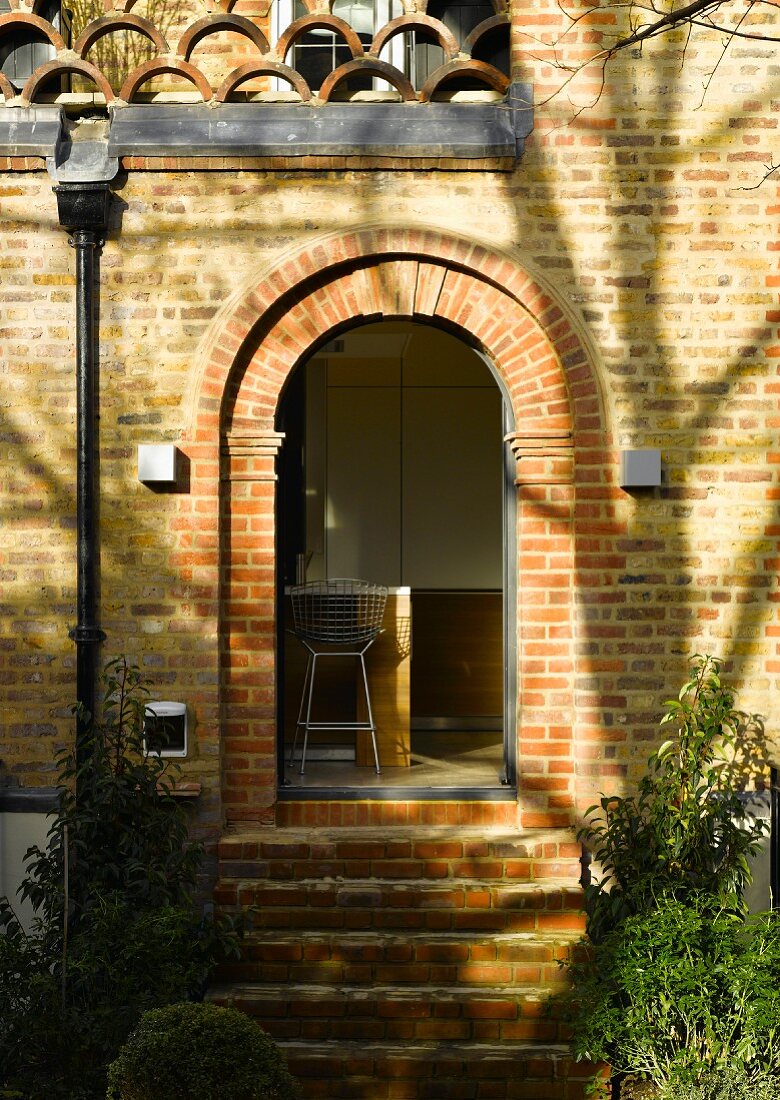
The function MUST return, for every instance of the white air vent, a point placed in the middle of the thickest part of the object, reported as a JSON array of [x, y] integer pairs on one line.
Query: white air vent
[[165, 729]]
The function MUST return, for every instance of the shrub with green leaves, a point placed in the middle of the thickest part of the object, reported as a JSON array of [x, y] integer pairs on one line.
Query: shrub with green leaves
[[727, 1083], [115, 930], [679, 993], [677, 986], [125, 835], [685, 832], [199, 1052]]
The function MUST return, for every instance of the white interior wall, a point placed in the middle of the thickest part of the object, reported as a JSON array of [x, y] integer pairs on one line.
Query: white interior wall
[[404, 461]]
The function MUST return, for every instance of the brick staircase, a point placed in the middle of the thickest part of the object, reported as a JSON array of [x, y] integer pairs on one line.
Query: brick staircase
[[407, 964]]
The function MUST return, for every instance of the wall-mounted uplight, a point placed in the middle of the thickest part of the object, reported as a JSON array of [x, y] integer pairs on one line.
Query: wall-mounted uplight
[[157, 463], [640, 469]]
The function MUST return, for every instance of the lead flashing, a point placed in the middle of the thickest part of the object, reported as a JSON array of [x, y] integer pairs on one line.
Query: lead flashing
[[462, 131], [297, 130], [30, 131]]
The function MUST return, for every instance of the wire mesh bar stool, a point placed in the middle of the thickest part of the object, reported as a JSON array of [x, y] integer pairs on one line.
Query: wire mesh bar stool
[[340, 617]]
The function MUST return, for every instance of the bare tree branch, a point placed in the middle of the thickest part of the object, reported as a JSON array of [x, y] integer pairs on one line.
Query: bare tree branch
[[733, 32], [644, 20], [723, 52], [665, 23], [769, 170]]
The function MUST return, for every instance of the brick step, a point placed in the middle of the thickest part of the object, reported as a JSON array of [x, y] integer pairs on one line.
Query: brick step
[[458, 905], [437, 948], [436, 1071], [362, 957], [392, 1014], [423, 842], [289, 854]]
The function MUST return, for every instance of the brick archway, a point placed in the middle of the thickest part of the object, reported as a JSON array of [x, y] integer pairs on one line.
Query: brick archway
[[547, 373]]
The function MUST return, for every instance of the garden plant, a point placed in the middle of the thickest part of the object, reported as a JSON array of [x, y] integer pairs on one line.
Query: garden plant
[[116, 930], [199, 1052], [677, 985]]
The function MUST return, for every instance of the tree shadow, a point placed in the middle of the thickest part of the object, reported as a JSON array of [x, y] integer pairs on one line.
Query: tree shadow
[[634, 198]]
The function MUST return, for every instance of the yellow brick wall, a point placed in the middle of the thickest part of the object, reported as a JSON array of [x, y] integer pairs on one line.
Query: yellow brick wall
[[640, 214]]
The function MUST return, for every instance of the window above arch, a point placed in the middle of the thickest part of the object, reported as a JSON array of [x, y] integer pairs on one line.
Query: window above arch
[[25, 48], [320, 51], [378, 82], [462, 18], [416, 52]]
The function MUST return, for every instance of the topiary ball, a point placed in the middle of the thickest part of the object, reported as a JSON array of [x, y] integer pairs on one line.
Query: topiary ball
[[199, 1052]]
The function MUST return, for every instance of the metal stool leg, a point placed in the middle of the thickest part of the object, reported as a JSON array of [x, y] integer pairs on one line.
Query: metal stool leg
[[307, 724], [370, 715], [299, 723]]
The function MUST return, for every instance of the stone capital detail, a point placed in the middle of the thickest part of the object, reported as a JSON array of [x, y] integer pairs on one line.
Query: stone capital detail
[[251, 457], [545, 457]]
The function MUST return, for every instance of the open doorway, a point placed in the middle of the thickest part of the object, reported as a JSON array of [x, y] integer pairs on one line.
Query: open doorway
[[394, 470]]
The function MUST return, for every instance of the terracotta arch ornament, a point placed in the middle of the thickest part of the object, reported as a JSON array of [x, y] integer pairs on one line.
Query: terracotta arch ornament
[[98, 28], [138, 77], [262, 68], [479, 70], [373, 67], [307, 23], [44, 73], [6, 88], [485, 27], [404, 23], [547, 370], [211, 24], [22, 19]]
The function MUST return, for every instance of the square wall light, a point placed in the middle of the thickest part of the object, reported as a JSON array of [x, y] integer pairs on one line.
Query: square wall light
[[157, 463], [640, 469]]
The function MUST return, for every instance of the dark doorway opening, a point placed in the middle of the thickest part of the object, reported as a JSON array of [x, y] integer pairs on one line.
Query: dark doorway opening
[[394, 470]]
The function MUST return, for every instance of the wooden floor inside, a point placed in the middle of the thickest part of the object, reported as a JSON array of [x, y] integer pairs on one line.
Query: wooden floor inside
[[439, 759]]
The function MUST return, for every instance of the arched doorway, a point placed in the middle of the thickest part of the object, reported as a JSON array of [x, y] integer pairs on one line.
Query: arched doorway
[[395, 469], [283, 314]]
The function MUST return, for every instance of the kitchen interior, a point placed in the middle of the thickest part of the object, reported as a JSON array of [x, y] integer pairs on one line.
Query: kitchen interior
[[393, 472]]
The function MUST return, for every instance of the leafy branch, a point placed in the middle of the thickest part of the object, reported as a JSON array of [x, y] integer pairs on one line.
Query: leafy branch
[[685, 831]]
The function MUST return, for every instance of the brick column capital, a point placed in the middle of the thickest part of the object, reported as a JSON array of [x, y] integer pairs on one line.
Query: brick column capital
[[251, 457], [544, 456]]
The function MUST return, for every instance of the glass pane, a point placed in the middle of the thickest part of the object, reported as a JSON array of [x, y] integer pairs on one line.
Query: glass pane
[[358, 13], [314, 58], [461, 17], [494, 49], [425, 56]]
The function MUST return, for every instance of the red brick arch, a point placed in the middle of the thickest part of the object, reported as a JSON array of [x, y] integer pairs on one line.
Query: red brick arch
[[378, 273], [547, 371]]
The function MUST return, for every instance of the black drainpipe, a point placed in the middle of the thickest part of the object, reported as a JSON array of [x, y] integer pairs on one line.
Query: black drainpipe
[[83, 211]]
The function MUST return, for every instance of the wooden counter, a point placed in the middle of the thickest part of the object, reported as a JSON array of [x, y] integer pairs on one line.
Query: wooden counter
[[388, 665]]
